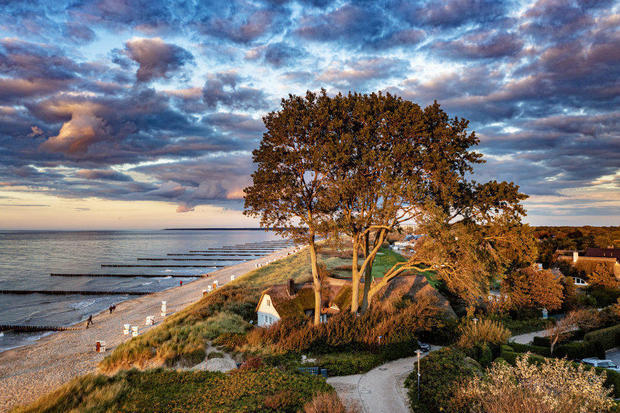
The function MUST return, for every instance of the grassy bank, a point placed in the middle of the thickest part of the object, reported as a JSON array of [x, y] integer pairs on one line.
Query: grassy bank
[[159, 390], [181, 339]]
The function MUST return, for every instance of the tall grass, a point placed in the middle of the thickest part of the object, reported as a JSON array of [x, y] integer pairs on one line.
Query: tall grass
[[162, 390]]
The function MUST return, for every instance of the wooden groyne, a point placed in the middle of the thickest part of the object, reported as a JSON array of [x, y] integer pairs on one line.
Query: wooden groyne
[[128, 275], [160, 266], [213, 255], [192, 259], [65, 292], [34, 329]]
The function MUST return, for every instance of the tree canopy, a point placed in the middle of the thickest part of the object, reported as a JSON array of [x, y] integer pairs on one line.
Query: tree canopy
[[364, 164]]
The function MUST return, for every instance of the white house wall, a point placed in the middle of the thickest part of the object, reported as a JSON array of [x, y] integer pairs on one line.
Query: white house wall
[[267, 313]]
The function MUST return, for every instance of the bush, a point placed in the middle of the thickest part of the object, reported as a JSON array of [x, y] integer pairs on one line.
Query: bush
[[586, 301], [528, 325], [605, 296], [541, 341], [440, 371], [483, 331], [344, 364], [444, 334], [511, 357], [524, 348], [607, 337], [579, 350], [325, 403], [551, 387]]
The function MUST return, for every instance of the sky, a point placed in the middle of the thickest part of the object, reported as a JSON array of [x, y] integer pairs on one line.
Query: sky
[[143, 114]]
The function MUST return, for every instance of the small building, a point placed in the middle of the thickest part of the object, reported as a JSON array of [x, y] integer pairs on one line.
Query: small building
[[607, 257], [292, 300]]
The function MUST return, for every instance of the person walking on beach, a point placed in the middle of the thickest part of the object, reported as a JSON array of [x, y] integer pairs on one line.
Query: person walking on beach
[[89, 321], [112, 308]]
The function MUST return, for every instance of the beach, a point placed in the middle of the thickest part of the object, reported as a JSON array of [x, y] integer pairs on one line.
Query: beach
[[28, 372]]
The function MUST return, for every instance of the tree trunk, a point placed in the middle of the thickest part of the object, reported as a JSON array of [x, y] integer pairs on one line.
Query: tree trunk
[[370, 259], [316, 281], [367, 273], [355, 281]]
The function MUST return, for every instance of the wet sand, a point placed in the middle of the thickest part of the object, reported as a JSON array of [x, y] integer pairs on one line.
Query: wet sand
[[28, 372]]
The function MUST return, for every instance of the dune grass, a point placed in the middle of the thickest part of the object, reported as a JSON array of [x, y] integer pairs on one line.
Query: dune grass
[[181, 339], [161, 390]]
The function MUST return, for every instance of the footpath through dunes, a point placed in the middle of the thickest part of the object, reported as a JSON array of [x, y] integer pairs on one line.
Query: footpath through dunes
[[28, 372]]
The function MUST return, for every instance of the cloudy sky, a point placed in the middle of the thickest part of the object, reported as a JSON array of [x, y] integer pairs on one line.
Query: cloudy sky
[[142, 114]]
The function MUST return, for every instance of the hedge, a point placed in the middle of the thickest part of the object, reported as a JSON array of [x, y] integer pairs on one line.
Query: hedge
[[511, 357], [524, 348], [607, 337], [579, 350]]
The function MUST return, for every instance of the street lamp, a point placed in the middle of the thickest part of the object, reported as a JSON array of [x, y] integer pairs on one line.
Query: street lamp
[[418, 352]]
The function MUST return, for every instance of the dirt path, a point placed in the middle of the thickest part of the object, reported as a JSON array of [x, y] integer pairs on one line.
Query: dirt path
[[28, 372], [379, 390]]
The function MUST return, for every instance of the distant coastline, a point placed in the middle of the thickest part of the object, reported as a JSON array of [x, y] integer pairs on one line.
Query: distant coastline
[[219, 229]]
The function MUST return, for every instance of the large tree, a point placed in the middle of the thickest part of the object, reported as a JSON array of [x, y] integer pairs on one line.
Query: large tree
[[289, 185]]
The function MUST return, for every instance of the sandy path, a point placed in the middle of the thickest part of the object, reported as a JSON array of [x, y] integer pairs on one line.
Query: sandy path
[[381, 390], [28, 372]]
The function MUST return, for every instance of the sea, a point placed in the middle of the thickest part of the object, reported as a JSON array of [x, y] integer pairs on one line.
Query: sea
[[27, 258]]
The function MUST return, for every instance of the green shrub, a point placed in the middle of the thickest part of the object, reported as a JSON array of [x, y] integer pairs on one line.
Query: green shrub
[[440, 370], [397, 350], [524, 326], [524, 348], [607, 337], [445, 334], [586, 301], [511, 356], [579, 349], [344, 364], [161, 390], [612, 381], [541, 341], [605, 296], [486, 356]]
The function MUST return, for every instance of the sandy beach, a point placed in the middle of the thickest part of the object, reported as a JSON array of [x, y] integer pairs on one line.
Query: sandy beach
[[28, 372]]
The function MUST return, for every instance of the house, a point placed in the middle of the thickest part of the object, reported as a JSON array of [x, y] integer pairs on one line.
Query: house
[[291, 300], [594, 257], [408, 242]]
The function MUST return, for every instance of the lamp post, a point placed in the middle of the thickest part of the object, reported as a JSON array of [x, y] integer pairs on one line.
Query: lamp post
[[418, 352]]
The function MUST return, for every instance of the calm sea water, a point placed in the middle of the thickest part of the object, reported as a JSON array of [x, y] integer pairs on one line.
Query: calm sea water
[[28, 257]]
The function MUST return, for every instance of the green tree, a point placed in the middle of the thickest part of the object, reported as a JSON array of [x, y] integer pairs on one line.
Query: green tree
[[288, 191]]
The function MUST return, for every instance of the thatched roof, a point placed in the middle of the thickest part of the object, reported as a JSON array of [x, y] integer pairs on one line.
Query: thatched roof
[[302, 300]]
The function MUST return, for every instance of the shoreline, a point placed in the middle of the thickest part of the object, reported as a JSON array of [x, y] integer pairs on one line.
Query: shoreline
[[30, 371], [43, 334]]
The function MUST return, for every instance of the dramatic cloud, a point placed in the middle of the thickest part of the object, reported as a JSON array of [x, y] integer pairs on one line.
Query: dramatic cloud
[[163, 101], [224, 89], [156, 58]]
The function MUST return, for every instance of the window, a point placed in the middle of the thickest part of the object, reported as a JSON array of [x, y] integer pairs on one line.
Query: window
[[268, 302]]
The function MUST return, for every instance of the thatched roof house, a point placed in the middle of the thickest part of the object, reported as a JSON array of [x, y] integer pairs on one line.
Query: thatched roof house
[[291, 300]]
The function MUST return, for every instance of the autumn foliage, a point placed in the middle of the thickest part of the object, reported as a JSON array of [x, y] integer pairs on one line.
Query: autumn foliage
[[530, 288], [554, 386], [369, 331]]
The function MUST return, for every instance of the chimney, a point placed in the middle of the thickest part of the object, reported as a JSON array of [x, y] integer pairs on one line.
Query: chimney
[[575, 257], [290, 287]]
